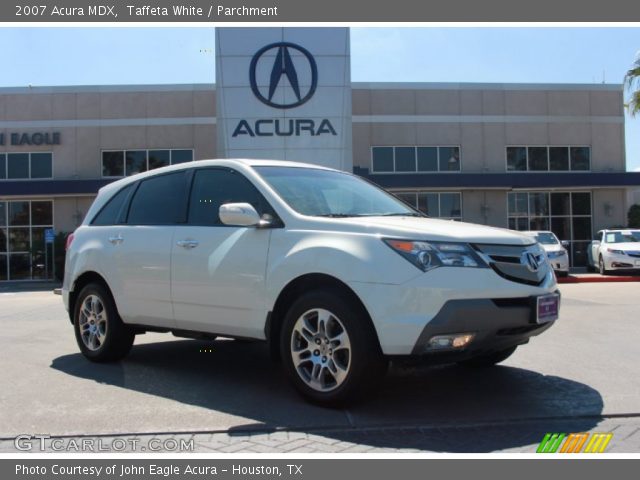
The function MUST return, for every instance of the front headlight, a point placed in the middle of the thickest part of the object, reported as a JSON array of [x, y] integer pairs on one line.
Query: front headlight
[[559, 253], [429, 255], [617, 252]]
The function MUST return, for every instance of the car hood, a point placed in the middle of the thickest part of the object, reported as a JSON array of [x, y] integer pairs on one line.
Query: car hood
[[552, 248], [418, 228], [633, 246]]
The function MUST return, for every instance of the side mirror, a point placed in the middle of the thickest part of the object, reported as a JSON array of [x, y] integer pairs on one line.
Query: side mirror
[[239, 215], [565, 243]]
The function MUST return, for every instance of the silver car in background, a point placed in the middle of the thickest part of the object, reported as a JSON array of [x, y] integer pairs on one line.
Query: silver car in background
[[554, 248]]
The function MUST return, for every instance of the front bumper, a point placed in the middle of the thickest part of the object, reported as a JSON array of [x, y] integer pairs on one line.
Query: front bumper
[[560, 264], [615, 261], [497, 324], [452, 300]]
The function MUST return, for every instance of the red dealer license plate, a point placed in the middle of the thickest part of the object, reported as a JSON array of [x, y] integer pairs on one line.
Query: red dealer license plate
[[547, 308]]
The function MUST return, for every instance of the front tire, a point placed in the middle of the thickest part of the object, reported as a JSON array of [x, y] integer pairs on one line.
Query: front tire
[[329, 348], [100, 333], [602, 267], [488, 360]]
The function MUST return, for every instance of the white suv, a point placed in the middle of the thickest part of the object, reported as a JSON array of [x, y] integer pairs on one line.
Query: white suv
[[337, 275]]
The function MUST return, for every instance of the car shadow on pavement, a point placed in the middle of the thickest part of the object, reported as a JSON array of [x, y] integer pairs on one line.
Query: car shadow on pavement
[[443, 409]]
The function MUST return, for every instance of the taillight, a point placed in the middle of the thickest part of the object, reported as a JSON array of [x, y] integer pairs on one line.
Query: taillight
[[70, 238]]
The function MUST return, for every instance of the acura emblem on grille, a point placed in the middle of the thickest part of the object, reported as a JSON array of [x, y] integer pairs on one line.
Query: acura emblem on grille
[[530, 260]]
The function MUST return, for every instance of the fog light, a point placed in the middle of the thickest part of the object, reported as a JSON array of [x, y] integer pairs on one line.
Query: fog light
[[458, 340]]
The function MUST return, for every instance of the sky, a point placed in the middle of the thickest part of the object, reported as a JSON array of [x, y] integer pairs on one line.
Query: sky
[[41, 56]]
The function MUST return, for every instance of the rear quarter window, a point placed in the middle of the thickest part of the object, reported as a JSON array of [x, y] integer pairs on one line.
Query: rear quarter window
[[110, 213]]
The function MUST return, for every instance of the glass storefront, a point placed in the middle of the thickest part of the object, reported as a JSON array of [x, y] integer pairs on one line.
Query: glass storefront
[[22, 240], [567, 214]]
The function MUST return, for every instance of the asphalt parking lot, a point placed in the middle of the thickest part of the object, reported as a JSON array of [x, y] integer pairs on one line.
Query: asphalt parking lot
[[582, 375]]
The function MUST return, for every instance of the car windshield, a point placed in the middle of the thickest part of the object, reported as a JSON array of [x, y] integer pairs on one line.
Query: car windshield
[[546, 238], [327, 193], [623, 237]]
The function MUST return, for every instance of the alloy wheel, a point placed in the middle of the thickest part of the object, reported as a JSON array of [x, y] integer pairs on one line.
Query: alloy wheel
[[321, 350], [92, 322]]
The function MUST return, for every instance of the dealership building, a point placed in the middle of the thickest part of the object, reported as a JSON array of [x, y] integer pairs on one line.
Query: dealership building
[[519, 156]]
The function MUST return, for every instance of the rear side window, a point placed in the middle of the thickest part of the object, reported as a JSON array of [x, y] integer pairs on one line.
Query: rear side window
[[110, 212], [215, 187], [159, 201]]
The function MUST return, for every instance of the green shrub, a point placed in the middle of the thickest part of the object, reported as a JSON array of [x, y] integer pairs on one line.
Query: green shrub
[[633, 217]]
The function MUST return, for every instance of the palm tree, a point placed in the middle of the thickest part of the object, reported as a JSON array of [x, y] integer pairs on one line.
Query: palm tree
[[632, 83]]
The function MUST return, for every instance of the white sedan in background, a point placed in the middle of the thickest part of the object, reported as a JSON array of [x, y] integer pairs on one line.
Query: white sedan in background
[[556, 253], [617, 249]]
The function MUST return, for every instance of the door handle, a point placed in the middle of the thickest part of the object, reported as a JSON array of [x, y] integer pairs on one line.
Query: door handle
[[116, 240], [188, 244]]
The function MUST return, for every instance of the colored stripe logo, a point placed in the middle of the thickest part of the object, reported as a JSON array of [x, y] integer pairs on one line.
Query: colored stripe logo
[[574, 443]]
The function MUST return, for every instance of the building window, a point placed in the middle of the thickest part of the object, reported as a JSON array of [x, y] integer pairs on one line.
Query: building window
[[22, 244], [567, 214], [538, 158], [580, 158], [181, 156], [25, 166], [559, 158], [427, 159], [159, 158], [113, 164], [135, 162], [447, 205], [382, 159], [405, 158], [420, 159], [548, 158], [516, 158], [120, 163]]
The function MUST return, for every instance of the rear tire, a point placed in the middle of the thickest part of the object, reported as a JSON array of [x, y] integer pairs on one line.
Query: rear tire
[[100, 333], [488, 360], [329, 348]]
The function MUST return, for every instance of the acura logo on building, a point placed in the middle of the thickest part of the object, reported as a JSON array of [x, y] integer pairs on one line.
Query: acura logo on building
[[283, 73], [283, 66]]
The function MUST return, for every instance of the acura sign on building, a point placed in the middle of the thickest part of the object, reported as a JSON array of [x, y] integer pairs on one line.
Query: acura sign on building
[[284, 93]]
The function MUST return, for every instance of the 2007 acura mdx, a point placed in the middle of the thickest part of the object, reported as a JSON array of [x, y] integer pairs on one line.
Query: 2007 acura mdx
[[337, 275]]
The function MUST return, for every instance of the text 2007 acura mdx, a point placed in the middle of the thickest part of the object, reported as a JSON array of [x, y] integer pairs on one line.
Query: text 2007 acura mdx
[[335, 274]]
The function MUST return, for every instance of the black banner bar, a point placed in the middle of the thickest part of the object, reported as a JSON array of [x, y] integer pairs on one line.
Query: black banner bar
[[311, 469], [282, 11]]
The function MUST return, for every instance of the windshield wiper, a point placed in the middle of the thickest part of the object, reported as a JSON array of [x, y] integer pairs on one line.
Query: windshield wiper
[[398, 214], [339, 215], [346, 215]]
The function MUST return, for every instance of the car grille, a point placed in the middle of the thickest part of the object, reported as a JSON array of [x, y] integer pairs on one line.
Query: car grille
[[633, 254], [513, 262]]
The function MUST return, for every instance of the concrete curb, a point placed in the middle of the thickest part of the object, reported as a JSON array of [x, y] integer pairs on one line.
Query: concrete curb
[[595, 278], [28, 286]]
